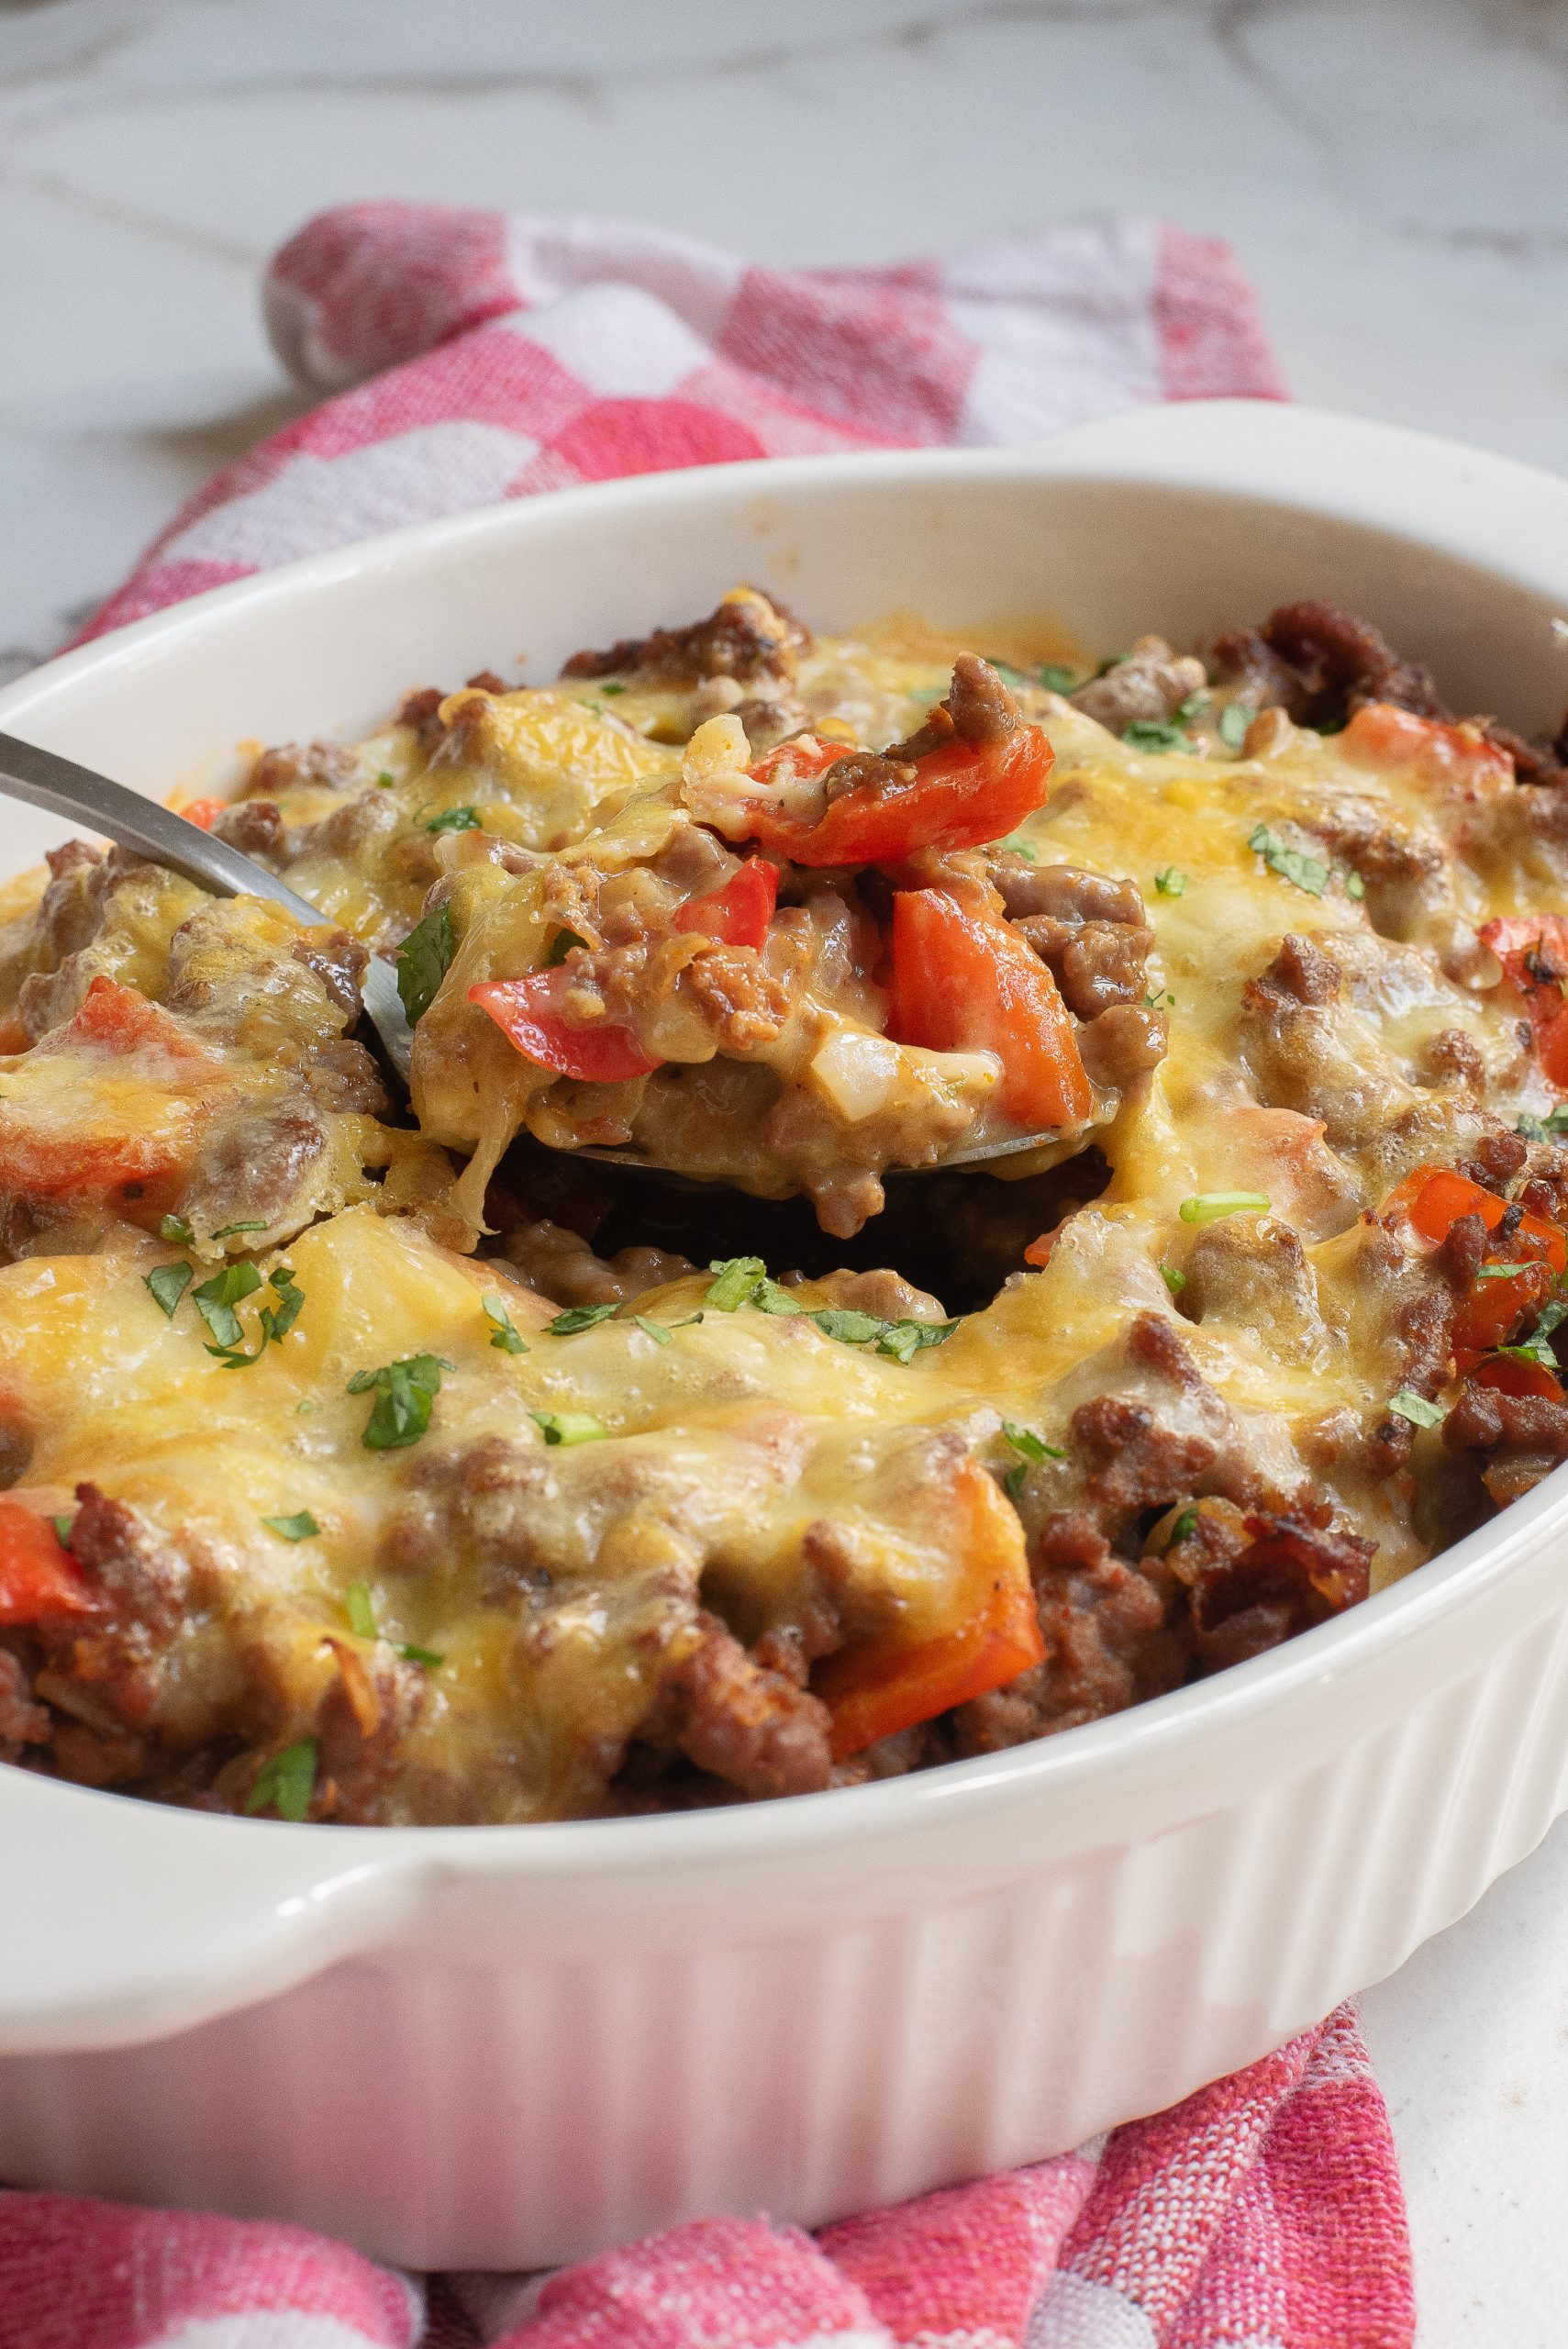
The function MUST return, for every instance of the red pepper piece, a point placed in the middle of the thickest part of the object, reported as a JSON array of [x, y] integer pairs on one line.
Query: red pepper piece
[[958, 797], [963, 982], [1533, 951], [530, 1014], [38, 1581], [737, 914]]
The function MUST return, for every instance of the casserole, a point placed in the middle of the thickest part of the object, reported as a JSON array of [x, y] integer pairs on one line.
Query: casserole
[[510, 2046]]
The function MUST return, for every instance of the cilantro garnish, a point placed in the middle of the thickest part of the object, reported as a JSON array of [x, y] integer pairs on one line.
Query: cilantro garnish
[[1194, 705], [175, 1228], [505, 1335], [1533, 1129], [1032, 1451], [654, 1329], [561, 946], [385, 777], [580, 1317], [1293, 865], [360, 1608], [300, 1527], [1154, 734], [227, 1230], [569, 1427], [285, 1782], [1112, 661], [1501, 1272], [850, 1329], [1174, 1281], [62, 1525], [904, 1340], [1055, 678], [278, 1319], [452, 820], [412, 1654], [169, 1284], [1208, 1207], [1534, 1349], [1169, 883], [1408, 1405], [1020, 847], [1185, 1526], [422, 961], [738, 1279], [612, 689], [215, 1300], [1234, 720], [404, 1393]]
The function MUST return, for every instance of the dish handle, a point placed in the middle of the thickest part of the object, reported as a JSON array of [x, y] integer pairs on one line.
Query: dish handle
[[124, 1922]]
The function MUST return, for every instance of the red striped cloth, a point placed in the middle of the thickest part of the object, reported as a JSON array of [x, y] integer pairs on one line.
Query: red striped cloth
[[473, 356]]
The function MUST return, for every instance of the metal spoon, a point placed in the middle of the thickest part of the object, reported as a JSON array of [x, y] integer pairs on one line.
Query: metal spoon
[[46, 780]]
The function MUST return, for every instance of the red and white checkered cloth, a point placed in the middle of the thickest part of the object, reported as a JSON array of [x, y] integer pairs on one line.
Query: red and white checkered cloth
[[474, 356]]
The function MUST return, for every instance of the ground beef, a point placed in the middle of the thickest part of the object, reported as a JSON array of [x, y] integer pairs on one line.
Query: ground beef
[[340, 963], [1150, 683], [293, 764], [362, 1727], [1092, 934], [742, 1002], [1123, 1043], [1338, 662], [744, 1722], [107, 1669], [749, 637], [1065, 893], [1296, 1570], [256, 827], [1484, 1420], [22, 1722]]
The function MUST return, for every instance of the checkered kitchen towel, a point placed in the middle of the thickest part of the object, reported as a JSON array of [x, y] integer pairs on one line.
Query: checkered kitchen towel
[[473, 356]]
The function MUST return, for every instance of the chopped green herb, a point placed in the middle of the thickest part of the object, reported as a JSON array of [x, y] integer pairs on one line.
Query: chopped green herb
[[654, 1329], [904, 1340], [404, 1393], [1154, 734], [1194, 705], [1028, 1446], [285, 1782], [303, 1409], [1156, 1001], [62, 1526], [169, 1284], [1019, 846], [505, 1335], [1015, 1480], [1549, 1316], [737, 1280], [452, 820], [850, 1328], [1234, 720], [1184, 1527], [411, 1654], [1055, 678], [772, 1297], [1112, 661], [215, 1300], [1208, 1207], [1171, 884], [1533, 1129], [1534, 1349], [1354, 886], [1408, 1405], [569, 1427], [360, 1608], [300, 1527], [1293, 865], [612, 689], [175, 1228], [561, 946], [385, 777], [580, 1317], [278, 1319], [1499, 1272], [1174, 1281], [228, 1230], [422, 961]]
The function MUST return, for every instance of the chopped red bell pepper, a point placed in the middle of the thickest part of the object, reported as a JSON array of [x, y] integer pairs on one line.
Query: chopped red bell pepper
[[14, 1037], [117, 1018], [875, 1689], [203, 813], [1432, 1199], [959, 795], [528, 1012], [1511, 1376], [963, 982], [38, 1581], [1533, 951], [737, 914], [1382, 735]]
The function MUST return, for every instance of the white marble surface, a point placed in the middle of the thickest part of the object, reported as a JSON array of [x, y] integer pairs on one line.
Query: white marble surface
[[1395, 174]]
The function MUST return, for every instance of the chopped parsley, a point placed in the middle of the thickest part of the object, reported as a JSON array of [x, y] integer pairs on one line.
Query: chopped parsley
[[1533, 1129], [422, 961], [285, 1782], [62, 1525], [228, 1230], [1292, 864], [169, 1284], [505, 1335], [737, 1282], [278, 1319], [1209, 1207], [654, 1329], [904, 1340], [1194, 705], [300, 1527], [850, 1328], [580, 1317], [1154, 734], [743, 1280], [1501, 1272], [175, 1228], [1534, 1349], [1169, 883], [1184, 1527], [452, 820], [1019, 846], [386, 778], [1234, 720], [1408, 1405], [1112, 661], [1032, 1451], [1174, 1281], [1055, 678], [561, 946], [215, 1300], [1155, 1001], [612, 689], [405, 1394], [569, 1427], [360, 1608]]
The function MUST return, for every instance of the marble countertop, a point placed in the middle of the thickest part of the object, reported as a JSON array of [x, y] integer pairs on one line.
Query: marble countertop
[[1392, 172]]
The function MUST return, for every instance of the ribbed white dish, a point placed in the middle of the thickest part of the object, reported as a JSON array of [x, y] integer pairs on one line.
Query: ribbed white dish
[[500, 2047]]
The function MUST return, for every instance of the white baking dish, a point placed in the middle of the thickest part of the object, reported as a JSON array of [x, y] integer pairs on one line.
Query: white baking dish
[[503, 2046]]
